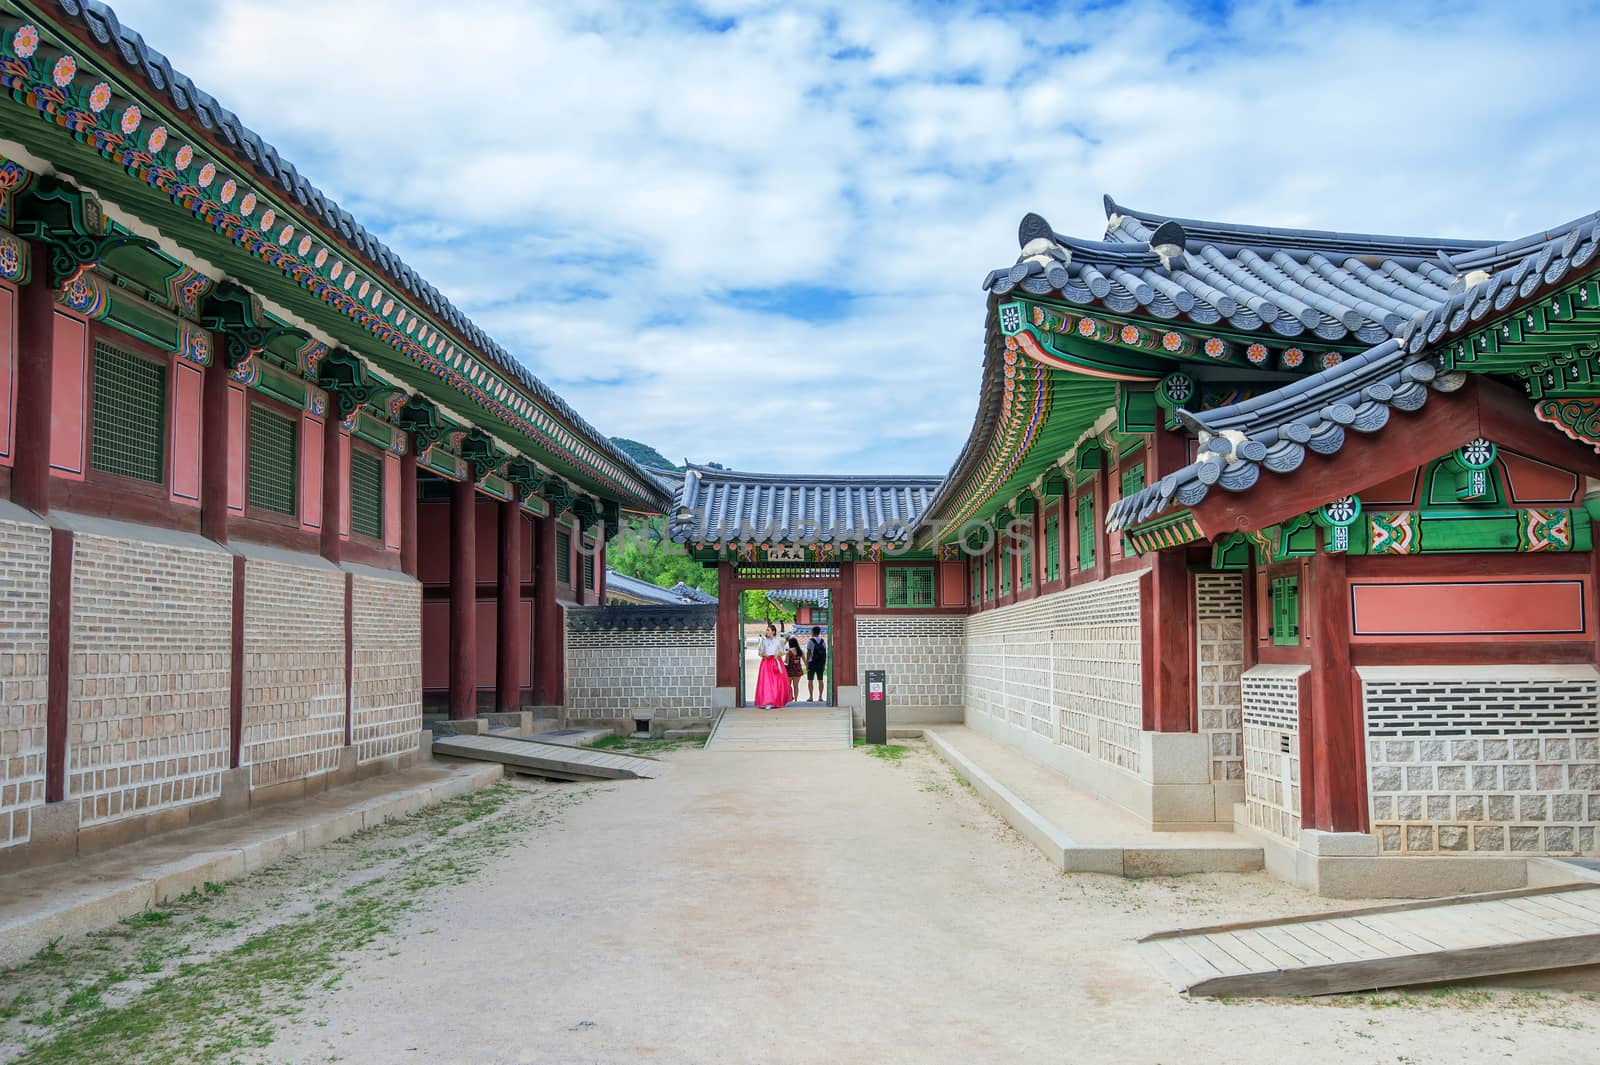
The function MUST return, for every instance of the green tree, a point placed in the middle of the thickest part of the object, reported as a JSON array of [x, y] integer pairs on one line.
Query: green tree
[[643, 550], [757, 607]]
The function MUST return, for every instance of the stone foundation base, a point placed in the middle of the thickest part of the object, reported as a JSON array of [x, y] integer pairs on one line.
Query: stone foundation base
[[57, 835], [1172, 792], [1347, 865]]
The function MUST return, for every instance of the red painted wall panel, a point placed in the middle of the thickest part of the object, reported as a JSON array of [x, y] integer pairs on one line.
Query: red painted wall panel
[[1422, 610], [391, 501], [867, 584], [486, 527], [1398, 491], [311, 440], [187, 384], [488, 637], [433, 542], [8, 373], [953, 583], [1532, 481], [238, 413], [342, 442], [436, 645], [69, 392], [525, 663]]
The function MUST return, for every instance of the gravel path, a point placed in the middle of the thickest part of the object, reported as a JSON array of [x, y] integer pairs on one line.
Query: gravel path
[[837, 907]]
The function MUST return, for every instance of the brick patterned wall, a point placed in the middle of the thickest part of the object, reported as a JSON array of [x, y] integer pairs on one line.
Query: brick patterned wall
[[1065, 666], [924, 656], [1483, 759], [386, 668], [294, 699], [1270, 696], [1219, 652], [670, 672], [147, 723], [24, 674]]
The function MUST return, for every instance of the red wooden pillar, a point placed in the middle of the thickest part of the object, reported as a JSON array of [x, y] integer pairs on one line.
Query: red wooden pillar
[[549, 624], [511, 639], [730, 641], [1339, 777], [844, 629], [463, 602], [30, 475], [1166, 617], [408, 509], [335, 485], [216, 440]]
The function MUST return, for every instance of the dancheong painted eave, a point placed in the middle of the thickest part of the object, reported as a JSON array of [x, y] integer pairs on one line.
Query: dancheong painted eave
[[1544, 280], [152, 118]]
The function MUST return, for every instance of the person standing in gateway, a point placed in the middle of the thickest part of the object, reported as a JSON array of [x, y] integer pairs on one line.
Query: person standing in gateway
[[816, 666]]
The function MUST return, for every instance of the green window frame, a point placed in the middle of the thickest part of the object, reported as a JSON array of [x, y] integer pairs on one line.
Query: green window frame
[[586, 564], [1086, 530], [988, 575], [1025, 568], [128, 434], [273, 454], [1285, 594], [819, 615], [366, 494], [1052, 548], [1132, 479], [563, 557], [908, 587], [1004, 564]]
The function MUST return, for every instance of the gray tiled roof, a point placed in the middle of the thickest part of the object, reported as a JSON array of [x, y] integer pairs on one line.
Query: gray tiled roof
[[1275, 430], [688, 593], [678, 617], [812, 596], [635, 588], [1285, 282], [726, 506], [181, 94]]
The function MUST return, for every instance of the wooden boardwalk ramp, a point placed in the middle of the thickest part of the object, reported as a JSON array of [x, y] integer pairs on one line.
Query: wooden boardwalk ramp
[[548, 759], [1442, 940]]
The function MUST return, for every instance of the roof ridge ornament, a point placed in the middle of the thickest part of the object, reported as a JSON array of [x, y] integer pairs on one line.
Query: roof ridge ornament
[[1168, 243]]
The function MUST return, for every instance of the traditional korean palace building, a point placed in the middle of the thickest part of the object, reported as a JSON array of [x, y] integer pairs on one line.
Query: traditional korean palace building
[[264, 492], [1280, 530]]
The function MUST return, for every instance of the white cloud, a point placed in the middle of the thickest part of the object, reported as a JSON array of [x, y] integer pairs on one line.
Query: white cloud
[[590, 181]]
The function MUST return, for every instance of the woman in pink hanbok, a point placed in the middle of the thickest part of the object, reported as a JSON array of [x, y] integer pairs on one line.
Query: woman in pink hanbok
[[772, 683]]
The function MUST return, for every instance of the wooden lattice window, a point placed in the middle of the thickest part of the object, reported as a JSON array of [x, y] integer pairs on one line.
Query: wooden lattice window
[[129, 434], [587, 568], [908, 586], [1086, 530], [274, 474], [975, 576], [1286, 611], [1132, 479], [563, 557], [366, 494], [1003, 562], [988, 575], [1052, 548], [1025, 568]]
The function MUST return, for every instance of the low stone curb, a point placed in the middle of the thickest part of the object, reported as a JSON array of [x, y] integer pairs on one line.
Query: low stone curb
[[1074, 857], [82, 895]]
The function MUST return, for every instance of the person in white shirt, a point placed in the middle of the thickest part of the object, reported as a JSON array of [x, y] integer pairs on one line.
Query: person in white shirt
[[772, 682]]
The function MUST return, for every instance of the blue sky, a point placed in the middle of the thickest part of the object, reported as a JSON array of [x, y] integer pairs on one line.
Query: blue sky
[[754, 233]]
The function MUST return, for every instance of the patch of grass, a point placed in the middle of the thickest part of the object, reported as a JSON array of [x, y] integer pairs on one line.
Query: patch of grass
[[183, 992], [888, 752], [628, 745]]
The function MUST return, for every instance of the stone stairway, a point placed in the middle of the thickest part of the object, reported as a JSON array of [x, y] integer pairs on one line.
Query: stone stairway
[[790, 729]]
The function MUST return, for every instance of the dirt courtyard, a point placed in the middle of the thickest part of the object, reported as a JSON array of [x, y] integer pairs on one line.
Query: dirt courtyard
[[767, 908]]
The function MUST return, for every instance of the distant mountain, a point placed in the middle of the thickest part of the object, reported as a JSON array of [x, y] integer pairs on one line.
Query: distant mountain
[[644, 454]]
